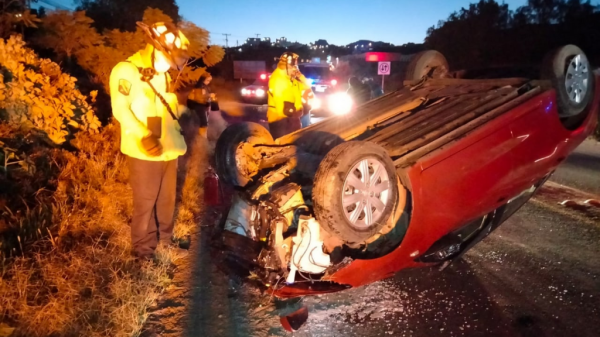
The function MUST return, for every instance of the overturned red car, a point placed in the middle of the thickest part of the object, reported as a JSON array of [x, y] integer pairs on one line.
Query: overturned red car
[[413, 178]]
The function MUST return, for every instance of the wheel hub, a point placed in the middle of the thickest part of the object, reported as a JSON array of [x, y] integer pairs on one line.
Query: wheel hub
[[576, 79], [366, 192]]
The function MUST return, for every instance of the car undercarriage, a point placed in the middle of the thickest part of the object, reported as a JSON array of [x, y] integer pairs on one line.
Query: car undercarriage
[[328, 207]]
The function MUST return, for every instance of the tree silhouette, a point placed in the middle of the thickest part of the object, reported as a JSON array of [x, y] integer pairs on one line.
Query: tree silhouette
[[488, 33], [122, 14], [67, 33]]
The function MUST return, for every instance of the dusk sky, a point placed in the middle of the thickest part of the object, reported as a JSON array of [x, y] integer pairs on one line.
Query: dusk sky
[[338, 21]]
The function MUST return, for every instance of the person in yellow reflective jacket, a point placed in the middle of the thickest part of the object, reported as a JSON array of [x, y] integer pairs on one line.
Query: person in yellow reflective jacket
[[285, 96], [150, 132]]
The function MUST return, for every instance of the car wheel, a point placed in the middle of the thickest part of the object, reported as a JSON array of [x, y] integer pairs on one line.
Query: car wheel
[[572, 77], [428, 63], [230, 165], [355, 191]]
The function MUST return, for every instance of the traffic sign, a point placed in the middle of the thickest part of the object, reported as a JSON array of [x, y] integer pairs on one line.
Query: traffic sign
[[384, 68]]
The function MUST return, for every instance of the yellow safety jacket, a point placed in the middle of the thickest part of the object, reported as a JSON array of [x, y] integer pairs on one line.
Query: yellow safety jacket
[[133, 101], [282, 88]]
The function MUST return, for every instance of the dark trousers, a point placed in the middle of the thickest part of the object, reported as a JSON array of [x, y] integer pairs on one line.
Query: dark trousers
[[201, 111], [154, 186], [284, 126]]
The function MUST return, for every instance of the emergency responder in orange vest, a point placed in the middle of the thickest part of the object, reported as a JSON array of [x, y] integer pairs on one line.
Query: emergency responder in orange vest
[[150, 132], [285, 96]]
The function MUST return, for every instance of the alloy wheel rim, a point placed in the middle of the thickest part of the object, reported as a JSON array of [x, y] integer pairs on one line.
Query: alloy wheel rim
[[366, 193], [576, 79]]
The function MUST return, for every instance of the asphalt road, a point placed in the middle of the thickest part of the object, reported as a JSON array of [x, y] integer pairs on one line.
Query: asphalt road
[[537, 275], [581, 170]]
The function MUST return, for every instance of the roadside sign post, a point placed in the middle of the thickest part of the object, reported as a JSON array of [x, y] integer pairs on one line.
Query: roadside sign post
[[384, 68]]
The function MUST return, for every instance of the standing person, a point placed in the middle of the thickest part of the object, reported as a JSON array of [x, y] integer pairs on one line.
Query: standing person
[[376, 90], [151, 136], [307, 98], [206, 105], [285, 97], [199, 102], [360, 92]]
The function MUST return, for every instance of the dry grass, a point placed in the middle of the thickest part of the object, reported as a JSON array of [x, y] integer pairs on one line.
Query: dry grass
[[191, 175], [80, 279]]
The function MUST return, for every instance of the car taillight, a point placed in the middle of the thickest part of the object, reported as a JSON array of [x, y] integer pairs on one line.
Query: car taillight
[[334, 82], [263, 76]]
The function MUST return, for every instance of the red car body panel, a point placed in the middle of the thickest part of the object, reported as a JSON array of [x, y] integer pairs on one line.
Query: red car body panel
[[498, 160]]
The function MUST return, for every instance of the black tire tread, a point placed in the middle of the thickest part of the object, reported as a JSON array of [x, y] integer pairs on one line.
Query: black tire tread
[[227, 144]]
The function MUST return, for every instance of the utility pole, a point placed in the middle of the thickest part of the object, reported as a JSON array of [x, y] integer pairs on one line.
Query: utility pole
[[257, 35], [227, 40]]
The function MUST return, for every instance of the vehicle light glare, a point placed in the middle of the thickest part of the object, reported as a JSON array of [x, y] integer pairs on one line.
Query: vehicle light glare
[[340, 103], [260, 92], [263, 76], [310, 81], [316, 103], [244, 91], [334, 82]]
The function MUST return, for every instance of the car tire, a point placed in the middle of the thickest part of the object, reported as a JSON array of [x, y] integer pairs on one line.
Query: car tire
[[227, 147], [344, 204], [430, 63], [571, 75]]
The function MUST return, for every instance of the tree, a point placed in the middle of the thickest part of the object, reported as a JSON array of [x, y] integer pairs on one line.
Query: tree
[[489, 33], [34, 93], [542, 11], [123, 14], [15, 14], [118, 45], [467, 37], [68, 33]]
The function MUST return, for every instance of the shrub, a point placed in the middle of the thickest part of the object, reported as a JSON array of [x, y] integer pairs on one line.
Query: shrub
[[79, 279], [68, 32], [34, 93]]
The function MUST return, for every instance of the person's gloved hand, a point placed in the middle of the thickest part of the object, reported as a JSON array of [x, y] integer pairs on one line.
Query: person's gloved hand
[[289, 109], [151, 145]]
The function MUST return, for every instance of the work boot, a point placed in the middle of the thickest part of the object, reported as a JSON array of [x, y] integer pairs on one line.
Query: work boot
[[169, 253]]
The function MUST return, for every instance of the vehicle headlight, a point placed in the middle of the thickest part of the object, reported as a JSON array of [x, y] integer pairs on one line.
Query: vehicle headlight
[[244, 91], [316, 103], [340, 103], [260, 92]]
